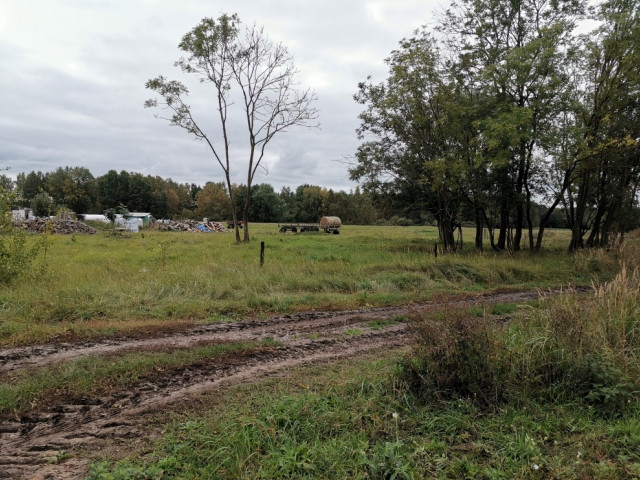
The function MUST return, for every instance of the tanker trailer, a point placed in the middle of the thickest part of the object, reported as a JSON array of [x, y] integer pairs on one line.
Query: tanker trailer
[[330, 224]]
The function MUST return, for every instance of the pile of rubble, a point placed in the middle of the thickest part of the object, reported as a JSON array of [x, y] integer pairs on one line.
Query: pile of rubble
[[188, 226], [63, 227]]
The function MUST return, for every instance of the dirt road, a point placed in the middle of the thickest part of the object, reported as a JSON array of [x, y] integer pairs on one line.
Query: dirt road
[[28, 444]]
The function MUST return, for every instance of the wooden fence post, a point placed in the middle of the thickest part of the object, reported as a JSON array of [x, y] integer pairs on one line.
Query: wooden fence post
[[261, 253]]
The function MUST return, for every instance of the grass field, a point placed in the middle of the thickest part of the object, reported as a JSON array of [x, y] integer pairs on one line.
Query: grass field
[[98, 285], [383, 416]]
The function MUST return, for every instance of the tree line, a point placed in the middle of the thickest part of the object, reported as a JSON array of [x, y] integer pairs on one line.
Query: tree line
[[76, 189], [506, 106]]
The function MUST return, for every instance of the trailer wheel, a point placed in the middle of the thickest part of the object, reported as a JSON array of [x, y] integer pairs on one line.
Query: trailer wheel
[[294, 229], [283, 229], [336, 232]]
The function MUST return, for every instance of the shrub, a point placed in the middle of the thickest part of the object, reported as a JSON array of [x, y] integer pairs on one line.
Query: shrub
[[42, 204], [456, 356], [16, 255]]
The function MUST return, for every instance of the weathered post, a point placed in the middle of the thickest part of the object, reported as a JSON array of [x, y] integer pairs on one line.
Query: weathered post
[[435, 250], [261, 253]]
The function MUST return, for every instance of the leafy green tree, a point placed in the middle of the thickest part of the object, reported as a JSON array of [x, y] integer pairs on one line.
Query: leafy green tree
[[72, 187], [311, 203], [263, 74], [140, 193], [113, 189], [515, 53], [159, 203], [29, 185], [266, 205], [42, 205], [607, 159], [289, 201], [213, 202], [404, 143], [7, 183], [180, 198], [355, 208]]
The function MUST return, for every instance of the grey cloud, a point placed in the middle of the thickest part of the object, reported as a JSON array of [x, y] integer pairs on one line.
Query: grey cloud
[[77, 99]]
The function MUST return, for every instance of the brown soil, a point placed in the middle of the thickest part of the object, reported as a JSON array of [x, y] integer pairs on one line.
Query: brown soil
[[80, 427]]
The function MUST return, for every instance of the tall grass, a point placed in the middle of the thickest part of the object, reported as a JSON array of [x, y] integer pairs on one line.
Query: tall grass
[[583, 348]]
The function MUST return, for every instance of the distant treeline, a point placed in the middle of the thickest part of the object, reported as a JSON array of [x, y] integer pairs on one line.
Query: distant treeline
[[76, 189]]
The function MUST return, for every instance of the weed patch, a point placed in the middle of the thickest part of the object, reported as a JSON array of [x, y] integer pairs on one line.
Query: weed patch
[[381, 323]]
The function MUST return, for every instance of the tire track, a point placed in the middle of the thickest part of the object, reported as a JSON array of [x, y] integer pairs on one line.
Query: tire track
[[255, 329], [29, 442]]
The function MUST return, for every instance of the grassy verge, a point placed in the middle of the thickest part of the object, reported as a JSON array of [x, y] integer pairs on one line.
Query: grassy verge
[[106, 285], [30, 389], [355, 421]]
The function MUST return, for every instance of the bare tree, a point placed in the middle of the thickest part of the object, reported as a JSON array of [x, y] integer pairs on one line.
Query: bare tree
[[263, 73]]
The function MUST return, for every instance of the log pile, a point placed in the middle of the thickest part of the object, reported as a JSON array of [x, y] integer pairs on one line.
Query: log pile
[[58, 226], [188, 226]]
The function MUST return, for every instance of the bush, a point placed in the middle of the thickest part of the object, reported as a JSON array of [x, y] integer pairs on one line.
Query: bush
[[42, 205], [16, 256], [455, 357]]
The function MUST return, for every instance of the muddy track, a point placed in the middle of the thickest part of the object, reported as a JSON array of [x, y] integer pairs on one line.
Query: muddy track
[[30, 442]]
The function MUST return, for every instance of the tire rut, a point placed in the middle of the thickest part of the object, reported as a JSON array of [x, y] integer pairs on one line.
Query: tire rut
[[32, 440], [29, 442], [277, 327]]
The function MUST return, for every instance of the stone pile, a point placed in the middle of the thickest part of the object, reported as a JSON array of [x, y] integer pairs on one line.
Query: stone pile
[[188, 226], [58, 226]]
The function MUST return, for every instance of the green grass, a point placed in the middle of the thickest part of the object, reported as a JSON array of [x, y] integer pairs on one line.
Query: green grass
[[353, 332], [381, 323], [353, 420], [361, 418], [105, 285]]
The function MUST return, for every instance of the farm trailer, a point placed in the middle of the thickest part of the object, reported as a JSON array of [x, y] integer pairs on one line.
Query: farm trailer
[[328, 224]]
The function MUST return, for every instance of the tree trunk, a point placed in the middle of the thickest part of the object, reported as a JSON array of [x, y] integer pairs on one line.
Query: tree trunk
[[247, 198], [520, 181], [580, 211], [491, 230], [245, 215], [543, 221], [504, 225], [234, 211], [528, 200], [479, 229], [446, 234]]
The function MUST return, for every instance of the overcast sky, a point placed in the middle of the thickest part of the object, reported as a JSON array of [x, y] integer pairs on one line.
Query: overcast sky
[[72, 76]]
